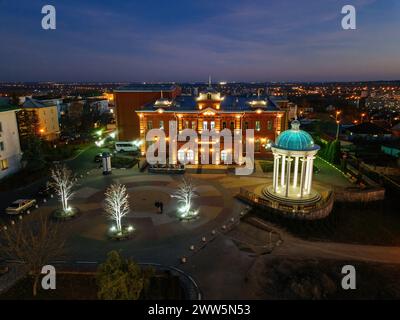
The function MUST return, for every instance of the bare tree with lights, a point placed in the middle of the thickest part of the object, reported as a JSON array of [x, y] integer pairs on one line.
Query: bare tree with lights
[[117, 205], [185, 193], [35, 243], [63, 181]]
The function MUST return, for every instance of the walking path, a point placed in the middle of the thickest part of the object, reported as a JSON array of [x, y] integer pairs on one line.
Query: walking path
[[296, 247]]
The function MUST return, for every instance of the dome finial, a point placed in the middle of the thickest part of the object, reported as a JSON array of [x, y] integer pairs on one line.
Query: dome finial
[[295, 124]]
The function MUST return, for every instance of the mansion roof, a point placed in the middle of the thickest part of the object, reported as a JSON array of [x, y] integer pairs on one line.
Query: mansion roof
[[188, 103]]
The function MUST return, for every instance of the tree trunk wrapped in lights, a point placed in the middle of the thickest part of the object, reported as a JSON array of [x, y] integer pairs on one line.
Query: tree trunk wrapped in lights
[[185, 194], [117, 206], [63, 181]]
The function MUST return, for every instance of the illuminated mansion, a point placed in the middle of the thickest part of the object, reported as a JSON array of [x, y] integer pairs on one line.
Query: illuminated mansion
[[211, 111]]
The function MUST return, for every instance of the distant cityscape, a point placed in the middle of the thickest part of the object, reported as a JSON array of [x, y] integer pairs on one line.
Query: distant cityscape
[[199, 158]]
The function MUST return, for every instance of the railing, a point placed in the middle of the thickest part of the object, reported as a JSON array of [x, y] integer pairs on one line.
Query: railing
[[190, 287], [169, 169], [315, 211]]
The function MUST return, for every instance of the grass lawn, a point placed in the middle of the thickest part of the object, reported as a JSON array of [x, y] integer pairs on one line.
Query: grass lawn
[[266, 166], [283, 278], [123, 162], [69, 287], [373, 223], [22, 178], [84, 287]]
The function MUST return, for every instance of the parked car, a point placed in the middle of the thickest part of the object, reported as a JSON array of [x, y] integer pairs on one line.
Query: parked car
[[20, 206]]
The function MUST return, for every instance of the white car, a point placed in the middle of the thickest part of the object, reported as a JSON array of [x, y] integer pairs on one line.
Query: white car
[[20, 206]]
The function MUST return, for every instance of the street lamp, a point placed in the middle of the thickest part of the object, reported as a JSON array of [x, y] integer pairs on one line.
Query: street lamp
[[338, 123]]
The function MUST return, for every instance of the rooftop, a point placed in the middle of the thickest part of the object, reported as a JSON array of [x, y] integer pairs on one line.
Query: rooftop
[[4, 108], [33, 103], [229, 103]]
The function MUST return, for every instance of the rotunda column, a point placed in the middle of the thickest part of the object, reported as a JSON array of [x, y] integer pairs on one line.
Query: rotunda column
[[283, 170], [296, 169], [310, 174], [288, 167], [276, 171], [302, 176], [306, 183]]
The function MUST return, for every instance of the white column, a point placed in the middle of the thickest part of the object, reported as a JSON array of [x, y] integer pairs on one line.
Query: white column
[[276, 172], [283, 170], [307, 175], [310, 175], [302, 176], [289, 164], [296, 168]]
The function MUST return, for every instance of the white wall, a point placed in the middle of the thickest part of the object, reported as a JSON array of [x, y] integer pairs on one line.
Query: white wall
[[10, 137]]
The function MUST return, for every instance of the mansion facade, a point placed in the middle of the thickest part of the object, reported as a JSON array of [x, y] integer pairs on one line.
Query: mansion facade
[[212, 111]]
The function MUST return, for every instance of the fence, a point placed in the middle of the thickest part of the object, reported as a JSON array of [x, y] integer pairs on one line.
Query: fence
[[315, 211]]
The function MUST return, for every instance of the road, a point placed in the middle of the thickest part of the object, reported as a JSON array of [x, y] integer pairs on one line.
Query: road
[[81, 163]]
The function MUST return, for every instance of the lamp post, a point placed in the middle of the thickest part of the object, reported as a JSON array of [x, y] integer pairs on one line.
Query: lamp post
[[338, 123]]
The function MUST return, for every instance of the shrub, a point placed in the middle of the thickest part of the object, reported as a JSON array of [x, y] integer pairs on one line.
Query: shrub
[[121, 279]]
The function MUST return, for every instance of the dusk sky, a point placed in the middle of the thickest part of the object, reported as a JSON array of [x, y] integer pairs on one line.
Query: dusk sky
[[123, 40]]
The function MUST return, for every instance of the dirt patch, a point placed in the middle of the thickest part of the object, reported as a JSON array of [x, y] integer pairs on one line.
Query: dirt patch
[[282, 278]]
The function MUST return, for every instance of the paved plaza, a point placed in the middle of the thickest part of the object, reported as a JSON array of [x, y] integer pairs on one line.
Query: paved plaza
[[160, 238], [217, 260]]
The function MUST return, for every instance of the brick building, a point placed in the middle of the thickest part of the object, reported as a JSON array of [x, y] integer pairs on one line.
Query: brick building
[[129, 99], [207, 111]]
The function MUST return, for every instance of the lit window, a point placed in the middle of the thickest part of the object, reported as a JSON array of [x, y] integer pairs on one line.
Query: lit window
[[212, 125], [161, 124], [194, 125], [185, 156], [258, 125], [204, 125], [149, 125], [269, 125], [257, 146], [4, 164], [225, 156]]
